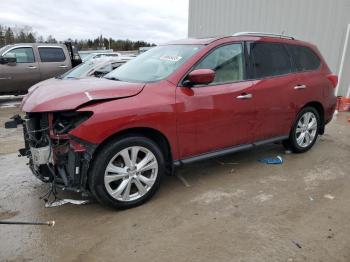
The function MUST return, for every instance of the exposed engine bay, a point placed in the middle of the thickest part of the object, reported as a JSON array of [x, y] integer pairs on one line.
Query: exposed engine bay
[[55, 156]]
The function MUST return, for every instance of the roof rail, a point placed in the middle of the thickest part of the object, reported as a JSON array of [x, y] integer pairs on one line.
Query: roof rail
[[263, 34]]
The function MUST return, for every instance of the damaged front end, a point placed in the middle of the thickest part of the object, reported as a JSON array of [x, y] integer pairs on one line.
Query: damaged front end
[[54, 155]]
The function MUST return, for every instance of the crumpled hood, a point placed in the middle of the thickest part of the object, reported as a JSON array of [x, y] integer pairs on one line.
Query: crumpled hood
[[57, 94]]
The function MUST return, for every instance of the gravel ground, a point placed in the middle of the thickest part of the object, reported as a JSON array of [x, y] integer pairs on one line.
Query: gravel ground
[[235, 209]]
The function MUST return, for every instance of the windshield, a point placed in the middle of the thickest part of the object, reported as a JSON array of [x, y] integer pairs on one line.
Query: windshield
[[155, 64]]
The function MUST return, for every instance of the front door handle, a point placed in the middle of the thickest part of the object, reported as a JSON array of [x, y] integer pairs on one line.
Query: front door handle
[[244, 96], [300, 87], [63, 66], [31, 67]]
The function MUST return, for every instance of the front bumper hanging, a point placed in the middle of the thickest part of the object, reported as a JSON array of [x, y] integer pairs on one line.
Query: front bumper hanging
[[54, 158]]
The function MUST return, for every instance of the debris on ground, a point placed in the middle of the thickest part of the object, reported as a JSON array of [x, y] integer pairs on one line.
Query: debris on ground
[[272, 160], [329, 196], [296, 243], [61, 202], [288, 152], [182, 179], [226, 163], [46, 223], [311, 198], [331, 234]]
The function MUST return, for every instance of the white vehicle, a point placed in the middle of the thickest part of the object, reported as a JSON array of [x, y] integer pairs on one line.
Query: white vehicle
[[96, 67], [100, 54]]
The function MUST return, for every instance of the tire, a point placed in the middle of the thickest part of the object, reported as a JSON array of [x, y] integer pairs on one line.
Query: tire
[[296, 141], [118, 181]]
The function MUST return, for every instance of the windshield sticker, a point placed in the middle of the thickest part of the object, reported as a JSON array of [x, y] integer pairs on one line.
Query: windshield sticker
[[172, 58]]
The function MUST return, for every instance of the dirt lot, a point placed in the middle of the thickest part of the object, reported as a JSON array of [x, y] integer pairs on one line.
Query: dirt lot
[[236, 209]]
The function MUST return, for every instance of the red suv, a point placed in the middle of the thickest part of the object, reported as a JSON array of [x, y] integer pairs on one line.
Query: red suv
[[177, 103]]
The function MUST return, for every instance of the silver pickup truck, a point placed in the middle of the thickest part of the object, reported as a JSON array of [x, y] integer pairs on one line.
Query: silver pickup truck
[[23, 65]]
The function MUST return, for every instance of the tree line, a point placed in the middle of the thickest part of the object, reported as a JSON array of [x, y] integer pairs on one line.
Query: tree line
[[12, 35]]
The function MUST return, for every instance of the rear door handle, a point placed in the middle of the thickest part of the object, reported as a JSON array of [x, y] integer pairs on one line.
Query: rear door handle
[[63, 66], [300, 87], [244, 96], [31, 67]]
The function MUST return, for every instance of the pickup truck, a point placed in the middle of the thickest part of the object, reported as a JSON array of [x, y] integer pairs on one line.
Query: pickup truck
[[23, 65]]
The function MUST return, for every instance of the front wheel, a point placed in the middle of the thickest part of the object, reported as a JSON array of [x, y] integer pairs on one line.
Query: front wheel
[[126, 172], [304, 131]]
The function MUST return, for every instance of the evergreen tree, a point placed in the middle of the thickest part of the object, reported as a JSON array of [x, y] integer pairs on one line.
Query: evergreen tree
[[21, 38], [30, 38], [9, 37], [2, 37], [51, 40], [40, 39]]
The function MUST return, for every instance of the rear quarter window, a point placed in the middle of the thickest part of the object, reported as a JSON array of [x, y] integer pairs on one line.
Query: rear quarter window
[[269, 59], [304, 58], [51, 54]]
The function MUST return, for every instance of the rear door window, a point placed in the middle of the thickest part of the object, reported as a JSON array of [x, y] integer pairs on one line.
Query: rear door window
[[269, 59], [227, 62], [22, 54], [304, 58], [51, 54]]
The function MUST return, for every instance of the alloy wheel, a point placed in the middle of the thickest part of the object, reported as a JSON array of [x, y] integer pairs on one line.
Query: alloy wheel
[[306, 130], [131, 173]]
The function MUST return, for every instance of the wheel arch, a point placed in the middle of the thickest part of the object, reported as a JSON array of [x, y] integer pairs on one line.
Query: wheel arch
[[320, 109], [155, 135]]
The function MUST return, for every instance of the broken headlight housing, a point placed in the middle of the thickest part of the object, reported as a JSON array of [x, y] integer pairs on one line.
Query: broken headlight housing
[[65, 121]]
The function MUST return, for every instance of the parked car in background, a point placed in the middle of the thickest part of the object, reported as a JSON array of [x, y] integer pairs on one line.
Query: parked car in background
[[186, 101], [144, 49], [95, 67], [100, 54], [23, 65], [84, 53]]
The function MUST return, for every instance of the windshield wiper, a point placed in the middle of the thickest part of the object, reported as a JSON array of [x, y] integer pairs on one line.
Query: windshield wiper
[[113, 78]]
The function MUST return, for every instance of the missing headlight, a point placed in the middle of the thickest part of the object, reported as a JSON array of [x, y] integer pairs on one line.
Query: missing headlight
[[65, 121]]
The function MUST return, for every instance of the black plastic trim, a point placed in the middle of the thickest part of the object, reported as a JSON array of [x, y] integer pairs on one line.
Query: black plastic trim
[[229, 150]]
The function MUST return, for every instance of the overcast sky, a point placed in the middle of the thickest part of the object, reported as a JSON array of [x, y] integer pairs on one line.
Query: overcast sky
[[150, 20]]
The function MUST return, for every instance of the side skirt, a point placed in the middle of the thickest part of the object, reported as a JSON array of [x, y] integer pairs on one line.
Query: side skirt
[[226, 151]]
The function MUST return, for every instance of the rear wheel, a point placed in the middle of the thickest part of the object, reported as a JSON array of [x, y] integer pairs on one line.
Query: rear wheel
[[305, 131], [127, 172]]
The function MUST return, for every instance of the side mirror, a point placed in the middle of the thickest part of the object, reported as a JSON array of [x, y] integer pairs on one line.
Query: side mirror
[[201, 77], [11, 60]]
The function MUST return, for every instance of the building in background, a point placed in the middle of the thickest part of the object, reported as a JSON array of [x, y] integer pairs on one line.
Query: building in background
[[322, 22]]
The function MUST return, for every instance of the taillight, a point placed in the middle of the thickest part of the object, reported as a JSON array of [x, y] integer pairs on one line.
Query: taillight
[[333, 79]]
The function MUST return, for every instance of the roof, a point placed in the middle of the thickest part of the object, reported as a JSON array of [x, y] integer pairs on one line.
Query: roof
[[36, 44], [193, 41], [243, 36]]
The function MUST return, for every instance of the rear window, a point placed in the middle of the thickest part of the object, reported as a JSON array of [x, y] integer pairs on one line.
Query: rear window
[[51, 54], [269, 59], [304, 58]]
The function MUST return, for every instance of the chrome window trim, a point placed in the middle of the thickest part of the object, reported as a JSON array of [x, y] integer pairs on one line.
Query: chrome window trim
[[15, 47], [49, 46]]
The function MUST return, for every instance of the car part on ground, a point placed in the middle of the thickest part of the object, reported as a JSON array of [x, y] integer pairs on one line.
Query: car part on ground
[[175, 104], [47, 223]]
